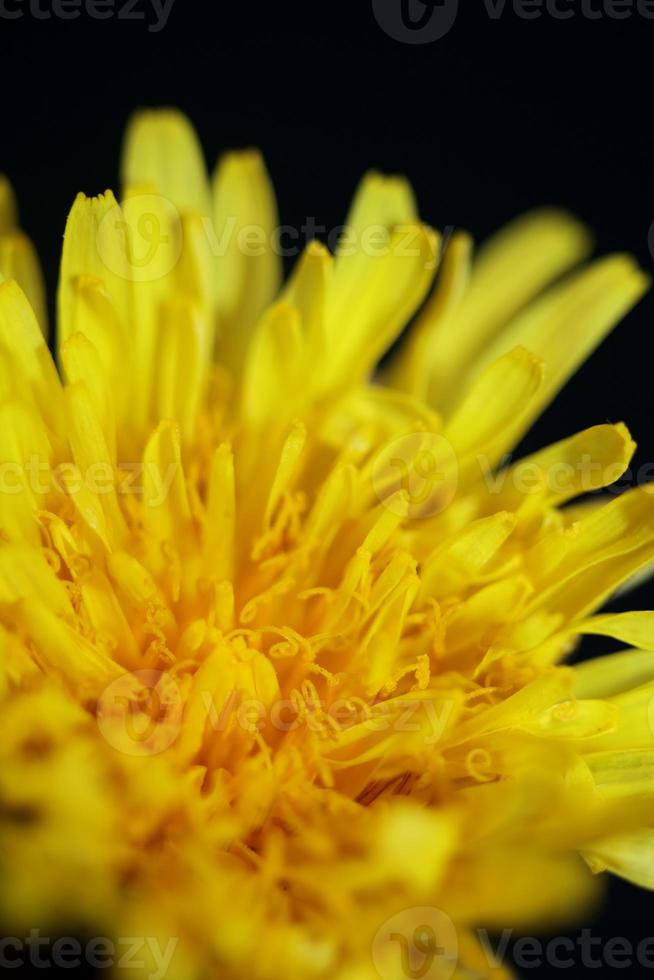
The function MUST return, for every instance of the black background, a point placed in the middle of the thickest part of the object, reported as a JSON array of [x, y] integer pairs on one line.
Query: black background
[[497, 116]]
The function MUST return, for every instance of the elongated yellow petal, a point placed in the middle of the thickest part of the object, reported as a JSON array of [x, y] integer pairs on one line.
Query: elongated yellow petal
[[182, 373], [588, 461], [25, 574], [565, 326], [64, 650], [307, 292], [492, 413], [604, 550], [90, 446], [392, 281], [162, 150], [273, 361], [82, 363], [195, 274], [460, 560], [95, 247], [604, 676], [19, 261], [380, 204], [286, 469], [247, 249], [17, 519], [623, 775], [635, 628], [166, 510], [26, 453], [21, 338], [219, 532], [630, 856], [380, 200], [510, 269], [413, 367]]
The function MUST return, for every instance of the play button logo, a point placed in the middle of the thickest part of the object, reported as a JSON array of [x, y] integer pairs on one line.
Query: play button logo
[[415, 21]]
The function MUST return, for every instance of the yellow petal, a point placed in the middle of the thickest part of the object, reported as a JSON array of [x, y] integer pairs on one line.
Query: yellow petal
[[613, 674], [492, 412], [457, 563], [95, 247], [380, 200], [182, 373], [154, 239], [24, 574], [413, 366], [65, 649], [286, 468], [274, 357], [620, 529], [26, 454], [22, 341], [623, 775], [94, 316], [569, 321], [475, 621], [391, 282], [82, 363], [162, 150], [166, 511], [219, 528], [307, 291], [587, 461], [19, 261], [380, 204], [635, 628], [509, 271], [196, 274], [90, 446], [247, 250], [631, 856]]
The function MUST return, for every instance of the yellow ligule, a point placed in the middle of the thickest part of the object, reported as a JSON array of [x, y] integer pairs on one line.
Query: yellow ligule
[[219, 528], [19, 261], [509, 270], [162, 150], [95, 247], [414, 364], [246, 247]]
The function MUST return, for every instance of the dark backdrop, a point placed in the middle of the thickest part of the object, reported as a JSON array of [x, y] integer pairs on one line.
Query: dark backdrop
[[495, 117]]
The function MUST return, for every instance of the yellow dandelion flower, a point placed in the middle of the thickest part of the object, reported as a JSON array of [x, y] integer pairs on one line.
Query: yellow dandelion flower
[[282, 645]]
